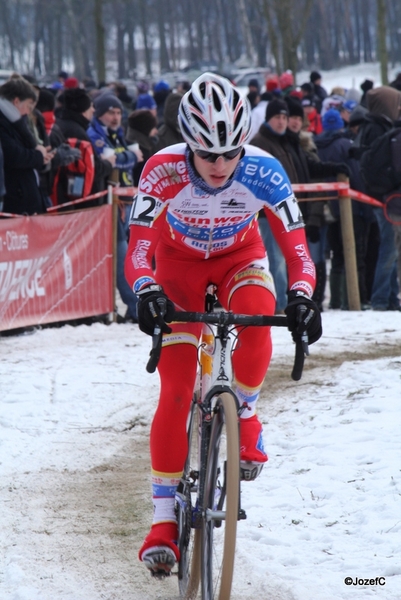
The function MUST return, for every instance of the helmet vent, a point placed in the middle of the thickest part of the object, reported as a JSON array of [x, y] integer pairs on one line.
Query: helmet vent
[[222, 132], [216, 100], [206, 140], [200, 122], [238, 118]]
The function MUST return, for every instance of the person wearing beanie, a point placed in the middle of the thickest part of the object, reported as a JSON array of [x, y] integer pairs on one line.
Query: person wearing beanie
[[365, 87], [142, 129], [332, 120], [106, 133], [71, 83], [271, 138], [346, 111], [286, 82], [311, 114], [74, 118], [272, 83], [356, 117], [318, 90], [161, 91]]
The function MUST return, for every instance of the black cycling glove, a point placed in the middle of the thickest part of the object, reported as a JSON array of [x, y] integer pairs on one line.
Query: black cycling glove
[[154, 309], [303, 319]]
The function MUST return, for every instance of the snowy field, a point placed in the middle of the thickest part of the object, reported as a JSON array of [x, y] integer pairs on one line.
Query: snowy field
[[75, 410]]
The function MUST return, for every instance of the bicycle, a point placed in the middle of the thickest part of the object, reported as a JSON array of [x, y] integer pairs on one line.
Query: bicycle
[[208, 496]]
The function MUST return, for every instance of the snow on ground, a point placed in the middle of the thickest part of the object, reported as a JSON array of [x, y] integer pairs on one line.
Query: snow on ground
[[75, 410]]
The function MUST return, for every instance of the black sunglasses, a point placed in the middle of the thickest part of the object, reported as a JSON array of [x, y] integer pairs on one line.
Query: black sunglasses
[[211, 157]]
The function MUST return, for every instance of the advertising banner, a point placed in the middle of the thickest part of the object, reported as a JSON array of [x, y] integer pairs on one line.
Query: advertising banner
[[56, 267]]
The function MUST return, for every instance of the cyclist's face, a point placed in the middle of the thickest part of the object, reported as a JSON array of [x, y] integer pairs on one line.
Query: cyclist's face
[[218, 173]]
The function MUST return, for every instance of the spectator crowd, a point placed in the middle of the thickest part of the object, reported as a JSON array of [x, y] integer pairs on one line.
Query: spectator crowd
[[70, 139]]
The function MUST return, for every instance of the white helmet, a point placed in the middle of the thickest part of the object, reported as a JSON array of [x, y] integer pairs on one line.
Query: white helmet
[[214, 116]]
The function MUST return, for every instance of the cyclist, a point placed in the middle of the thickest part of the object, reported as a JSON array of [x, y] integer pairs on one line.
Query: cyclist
[[196, 215]]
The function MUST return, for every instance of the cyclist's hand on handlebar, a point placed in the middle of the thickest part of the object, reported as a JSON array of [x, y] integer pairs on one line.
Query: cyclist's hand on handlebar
[[303, 319], [154, 309]]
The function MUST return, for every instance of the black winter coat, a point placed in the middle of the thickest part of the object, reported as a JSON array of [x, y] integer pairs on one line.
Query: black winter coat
[[74, 125], [334, 146], [21, 164]]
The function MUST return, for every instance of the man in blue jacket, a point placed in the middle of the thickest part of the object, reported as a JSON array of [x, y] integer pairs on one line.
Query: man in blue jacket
[[106, 134]]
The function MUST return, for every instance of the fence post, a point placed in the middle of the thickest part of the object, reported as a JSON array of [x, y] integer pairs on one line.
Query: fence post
[[348, 238], [114, 178]]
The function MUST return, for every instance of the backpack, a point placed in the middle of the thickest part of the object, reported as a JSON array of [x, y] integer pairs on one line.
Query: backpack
[[381, 164], [76, 179]]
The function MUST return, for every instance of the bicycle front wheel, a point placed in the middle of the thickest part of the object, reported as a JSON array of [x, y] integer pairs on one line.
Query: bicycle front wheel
[[189, 538], [221, 504]]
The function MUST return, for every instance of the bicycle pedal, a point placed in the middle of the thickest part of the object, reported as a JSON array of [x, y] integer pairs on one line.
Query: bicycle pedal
[[249, 471]]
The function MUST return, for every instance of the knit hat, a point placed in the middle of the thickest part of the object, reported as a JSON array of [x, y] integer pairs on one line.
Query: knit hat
[[357, 115], [46, 101], [104, 102], [276, 107], [254, 83], [307, 88], [314, 76], [366, 85], [286, 80], [142, 120], [331, 120], [161, 86], [143, 87], [272, 83], [71, 82], [76, 100], [294, 107], [146, 101]]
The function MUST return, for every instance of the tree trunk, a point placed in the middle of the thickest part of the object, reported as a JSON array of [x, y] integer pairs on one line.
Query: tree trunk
[[250, 52], [100, 41], [144, 27], [161, 22], [381, 40]]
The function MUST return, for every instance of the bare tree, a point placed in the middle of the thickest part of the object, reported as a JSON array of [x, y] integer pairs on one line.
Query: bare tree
[[381, 40]]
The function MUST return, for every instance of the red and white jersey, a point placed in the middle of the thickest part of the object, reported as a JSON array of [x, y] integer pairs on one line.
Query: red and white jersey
[[176, 212]]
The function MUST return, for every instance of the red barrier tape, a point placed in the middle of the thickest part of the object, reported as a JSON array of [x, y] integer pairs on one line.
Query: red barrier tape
[[342, 188], [344, 191]]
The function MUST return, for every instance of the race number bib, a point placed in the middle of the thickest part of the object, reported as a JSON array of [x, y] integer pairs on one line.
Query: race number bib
[[143, 210], [289, 212]]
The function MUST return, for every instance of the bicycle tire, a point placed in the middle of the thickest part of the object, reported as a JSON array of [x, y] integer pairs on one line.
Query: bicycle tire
[[189, 539], [217, 559]]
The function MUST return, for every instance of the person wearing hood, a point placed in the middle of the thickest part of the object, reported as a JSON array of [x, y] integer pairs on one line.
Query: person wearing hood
[[333, 145], [106, 134], [142, 129], [169, 133], [384, 106]]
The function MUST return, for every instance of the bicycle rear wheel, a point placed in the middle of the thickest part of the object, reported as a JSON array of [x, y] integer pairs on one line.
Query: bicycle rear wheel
[[189, 539], [221, 499]]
